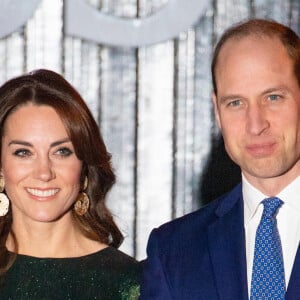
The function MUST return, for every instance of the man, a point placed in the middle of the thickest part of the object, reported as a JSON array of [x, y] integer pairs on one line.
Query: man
[[216, 252]]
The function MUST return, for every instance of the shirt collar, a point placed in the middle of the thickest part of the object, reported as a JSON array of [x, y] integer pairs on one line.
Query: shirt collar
[[252, 198], [290, 195]]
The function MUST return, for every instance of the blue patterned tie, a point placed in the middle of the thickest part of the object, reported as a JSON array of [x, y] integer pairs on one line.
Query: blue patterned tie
[[268, 269]]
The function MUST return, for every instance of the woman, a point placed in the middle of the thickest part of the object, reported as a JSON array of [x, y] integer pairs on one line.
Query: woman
[[57, 238]]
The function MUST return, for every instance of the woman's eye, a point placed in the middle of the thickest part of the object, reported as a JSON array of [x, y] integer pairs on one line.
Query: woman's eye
[[64, 151], [22, 152]]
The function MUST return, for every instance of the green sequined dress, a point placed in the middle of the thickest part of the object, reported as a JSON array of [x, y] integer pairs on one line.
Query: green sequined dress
[[106, 275]]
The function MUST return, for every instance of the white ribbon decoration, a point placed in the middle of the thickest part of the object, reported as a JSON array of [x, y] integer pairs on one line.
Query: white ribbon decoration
[[86, 22], [14, 14]]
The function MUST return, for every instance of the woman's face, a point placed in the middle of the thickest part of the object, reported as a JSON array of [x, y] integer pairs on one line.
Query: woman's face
[[39, 165]]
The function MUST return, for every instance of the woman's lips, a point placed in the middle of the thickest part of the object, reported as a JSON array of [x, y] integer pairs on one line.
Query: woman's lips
[[42, 192]]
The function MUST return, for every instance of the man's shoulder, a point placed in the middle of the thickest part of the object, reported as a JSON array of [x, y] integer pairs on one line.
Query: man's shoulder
[[197, 221]]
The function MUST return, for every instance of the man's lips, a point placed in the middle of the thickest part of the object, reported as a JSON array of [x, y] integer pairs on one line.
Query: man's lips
[[262, 149]]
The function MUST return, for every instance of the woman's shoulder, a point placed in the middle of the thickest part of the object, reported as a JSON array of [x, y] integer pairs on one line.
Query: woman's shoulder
[[116, 259], [123, 272], [102, 259], [106, 274], [116, 255]]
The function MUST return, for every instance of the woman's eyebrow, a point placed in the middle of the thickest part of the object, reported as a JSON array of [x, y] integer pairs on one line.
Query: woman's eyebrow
[[27, 144]]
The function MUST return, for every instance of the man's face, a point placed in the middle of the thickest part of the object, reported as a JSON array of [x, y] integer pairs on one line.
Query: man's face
[[258, 108]]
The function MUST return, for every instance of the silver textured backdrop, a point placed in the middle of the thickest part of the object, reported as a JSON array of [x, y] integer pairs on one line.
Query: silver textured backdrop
[[152, 103]]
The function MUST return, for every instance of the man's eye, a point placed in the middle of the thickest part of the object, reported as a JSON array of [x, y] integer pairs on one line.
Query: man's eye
[[274, 97], [234, 103], [22, 152], [64, 151]]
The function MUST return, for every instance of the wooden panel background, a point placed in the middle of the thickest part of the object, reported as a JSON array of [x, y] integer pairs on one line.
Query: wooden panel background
[[152, 103]]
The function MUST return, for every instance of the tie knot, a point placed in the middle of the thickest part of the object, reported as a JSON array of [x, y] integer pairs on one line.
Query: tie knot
[[271, 206]]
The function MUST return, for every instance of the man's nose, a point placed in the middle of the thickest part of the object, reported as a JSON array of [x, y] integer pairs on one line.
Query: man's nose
[[257, 121]]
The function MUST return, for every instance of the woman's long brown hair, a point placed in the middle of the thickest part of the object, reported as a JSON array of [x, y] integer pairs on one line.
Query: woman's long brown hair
[[44, 87]]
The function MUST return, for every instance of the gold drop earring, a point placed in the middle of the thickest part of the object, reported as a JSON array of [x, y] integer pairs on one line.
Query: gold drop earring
[[4, 202], [82, 203]]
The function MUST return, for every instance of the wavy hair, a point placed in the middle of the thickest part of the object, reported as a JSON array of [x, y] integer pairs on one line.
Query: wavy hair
[[45, 87]]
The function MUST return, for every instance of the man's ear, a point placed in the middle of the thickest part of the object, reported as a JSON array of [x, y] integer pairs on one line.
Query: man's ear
[[216, 109]]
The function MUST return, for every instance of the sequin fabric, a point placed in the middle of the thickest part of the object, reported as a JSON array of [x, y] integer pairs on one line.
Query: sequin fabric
[[106, 275], [268, 269]]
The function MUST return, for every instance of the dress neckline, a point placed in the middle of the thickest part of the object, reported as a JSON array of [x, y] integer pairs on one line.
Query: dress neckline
[[29, 257]]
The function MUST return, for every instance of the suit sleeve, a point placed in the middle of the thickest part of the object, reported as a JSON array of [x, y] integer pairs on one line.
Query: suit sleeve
[[154, 283]]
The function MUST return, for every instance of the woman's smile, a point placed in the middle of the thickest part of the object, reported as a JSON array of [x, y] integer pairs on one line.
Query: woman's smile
[[43, 193], [38, 166]]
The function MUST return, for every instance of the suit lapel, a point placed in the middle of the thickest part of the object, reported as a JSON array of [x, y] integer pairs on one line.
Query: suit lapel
[[293, 290], [226, 238]]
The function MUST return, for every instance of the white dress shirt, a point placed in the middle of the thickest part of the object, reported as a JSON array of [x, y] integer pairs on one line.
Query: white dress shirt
[[288, 222]]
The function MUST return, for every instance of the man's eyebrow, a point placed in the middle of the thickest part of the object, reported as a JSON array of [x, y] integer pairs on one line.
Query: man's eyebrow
[[27, 144], [229, 97], [281, 88]]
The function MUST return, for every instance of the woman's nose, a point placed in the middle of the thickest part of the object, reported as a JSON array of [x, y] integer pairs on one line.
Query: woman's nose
[[44, 169]]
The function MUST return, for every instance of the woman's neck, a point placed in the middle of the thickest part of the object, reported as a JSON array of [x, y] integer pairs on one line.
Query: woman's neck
[[61, 238]]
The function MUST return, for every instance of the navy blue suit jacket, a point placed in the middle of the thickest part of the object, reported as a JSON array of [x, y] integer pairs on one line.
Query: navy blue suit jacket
[[202, 256]]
